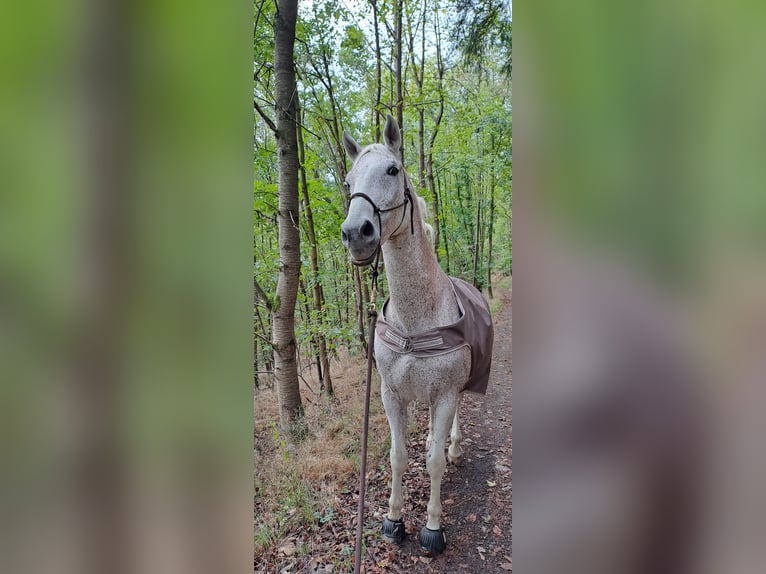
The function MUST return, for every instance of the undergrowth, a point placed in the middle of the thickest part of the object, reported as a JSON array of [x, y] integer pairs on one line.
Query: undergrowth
[[298, 484], [499, 282]]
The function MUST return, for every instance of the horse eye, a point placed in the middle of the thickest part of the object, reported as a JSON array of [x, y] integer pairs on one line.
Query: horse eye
[[393, 170]]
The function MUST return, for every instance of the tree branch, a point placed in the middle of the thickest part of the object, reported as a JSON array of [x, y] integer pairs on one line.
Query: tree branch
[[264, 339], [266, 118], [261, 294]]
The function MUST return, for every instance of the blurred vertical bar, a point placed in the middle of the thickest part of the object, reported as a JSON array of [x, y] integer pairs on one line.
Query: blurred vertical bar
[[639, 282], [125, 286]]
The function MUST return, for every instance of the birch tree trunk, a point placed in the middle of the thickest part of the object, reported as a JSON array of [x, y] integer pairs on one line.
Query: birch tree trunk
[[285, 364]]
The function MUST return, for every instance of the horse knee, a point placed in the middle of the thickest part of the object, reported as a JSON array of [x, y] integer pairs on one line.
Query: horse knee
[[435, 462], [398, 459]]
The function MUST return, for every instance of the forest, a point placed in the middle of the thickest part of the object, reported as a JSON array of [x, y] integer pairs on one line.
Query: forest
[[442, 68]]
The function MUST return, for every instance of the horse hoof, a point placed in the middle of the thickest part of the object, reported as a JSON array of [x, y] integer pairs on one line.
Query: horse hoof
[[393, 530], [456, 460], [432, 541]]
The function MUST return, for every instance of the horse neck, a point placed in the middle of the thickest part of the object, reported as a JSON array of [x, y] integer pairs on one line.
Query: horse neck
[[421, 295]]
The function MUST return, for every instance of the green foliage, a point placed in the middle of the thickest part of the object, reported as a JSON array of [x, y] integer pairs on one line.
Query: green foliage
[[279, 440], [472, 151], [485, 27]]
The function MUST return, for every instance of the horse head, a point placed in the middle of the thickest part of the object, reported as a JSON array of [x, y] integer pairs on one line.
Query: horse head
[[379, 184]]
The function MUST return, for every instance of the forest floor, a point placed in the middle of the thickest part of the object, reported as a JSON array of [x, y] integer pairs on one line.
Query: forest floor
[[476, 496]]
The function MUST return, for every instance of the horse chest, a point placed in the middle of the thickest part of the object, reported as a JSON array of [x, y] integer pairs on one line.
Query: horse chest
[[419, 377]]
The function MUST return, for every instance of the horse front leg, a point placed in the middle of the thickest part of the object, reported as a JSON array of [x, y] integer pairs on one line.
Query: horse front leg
[[455, 452], [396, 412], [432, 537]]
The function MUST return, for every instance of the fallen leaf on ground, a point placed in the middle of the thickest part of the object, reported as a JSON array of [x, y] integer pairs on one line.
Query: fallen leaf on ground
[[288, 548]]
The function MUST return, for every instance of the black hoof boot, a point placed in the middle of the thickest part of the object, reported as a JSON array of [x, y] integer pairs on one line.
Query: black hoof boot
[[433, 541], [393, 530]]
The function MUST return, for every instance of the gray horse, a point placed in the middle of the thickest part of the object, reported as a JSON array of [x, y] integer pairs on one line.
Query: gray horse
[[434, 334]]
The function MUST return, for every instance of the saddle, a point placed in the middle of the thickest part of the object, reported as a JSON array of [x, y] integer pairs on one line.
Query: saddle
[[473, 329]]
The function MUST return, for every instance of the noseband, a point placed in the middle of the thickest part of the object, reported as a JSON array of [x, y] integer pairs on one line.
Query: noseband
[[377, 211]]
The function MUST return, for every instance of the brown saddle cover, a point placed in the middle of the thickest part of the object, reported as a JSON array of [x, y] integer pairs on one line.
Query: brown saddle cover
[[473, 329]]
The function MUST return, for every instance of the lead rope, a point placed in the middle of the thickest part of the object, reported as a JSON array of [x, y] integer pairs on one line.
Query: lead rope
[[373, 313]]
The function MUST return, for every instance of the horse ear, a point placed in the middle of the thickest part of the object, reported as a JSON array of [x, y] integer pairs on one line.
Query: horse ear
[[352, 148], [392, 134]]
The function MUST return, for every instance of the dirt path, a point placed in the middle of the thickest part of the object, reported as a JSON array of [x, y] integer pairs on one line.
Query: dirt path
[[476, 496]]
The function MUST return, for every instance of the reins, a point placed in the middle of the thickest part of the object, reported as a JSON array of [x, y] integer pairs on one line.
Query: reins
[[373, 314]]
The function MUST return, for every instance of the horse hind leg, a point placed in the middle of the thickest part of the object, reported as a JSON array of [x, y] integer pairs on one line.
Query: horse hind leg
[[455, 452], [432, 535]]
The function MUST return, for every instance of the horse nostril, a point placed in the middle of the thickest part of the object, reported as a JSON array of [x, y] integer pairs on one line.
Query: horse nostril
[[367, 229], [344, 236]]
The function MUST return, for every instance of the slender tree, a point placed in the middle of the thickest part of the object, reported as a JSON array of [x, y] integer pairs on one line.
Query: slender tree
[[378, 72], [285, 349], [491, 214], [437, 119], [398, 7], [323, 363], [477, 238]]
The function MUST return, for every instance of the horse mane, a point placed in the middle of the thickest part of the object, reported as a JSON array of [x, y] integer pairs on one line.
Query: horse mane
[[423, 210]]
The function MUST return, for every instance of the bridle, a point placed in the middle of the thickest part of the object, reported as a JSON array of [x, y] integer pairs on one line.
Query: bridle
[[375, 256]]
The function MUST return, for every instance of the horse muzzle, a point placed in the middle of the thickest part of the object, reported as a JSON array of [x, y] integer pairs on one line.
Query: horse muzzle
[[362, 239]]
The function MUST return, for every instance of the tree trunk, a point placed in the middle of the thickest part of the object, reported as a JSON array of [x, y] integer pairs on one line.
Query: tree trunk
[[418, 73], [314, 337], [323, 364], [434, 201], [398, 5], [491, 216], [442, 219], [285, 365], [97, 484], [477, 239], [378, 87], [432, 140], [268, 359], [460, 179], [339, 154]]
